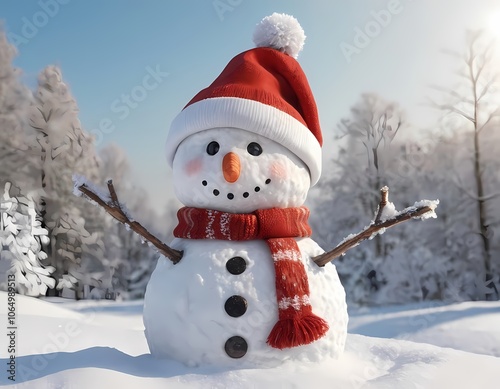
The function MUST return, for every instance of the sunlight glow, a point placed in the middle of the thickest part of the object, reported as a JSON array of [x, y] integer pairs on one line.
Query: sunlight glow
[[493, 24]]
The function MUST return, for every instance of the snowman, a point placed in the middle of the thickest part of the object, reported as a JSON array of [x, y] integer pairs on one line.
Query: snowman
[[244, 153]]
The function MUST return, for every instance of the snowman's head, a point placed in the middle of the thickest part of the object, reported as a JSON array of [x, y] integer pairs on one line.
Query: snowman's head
[[234, 170], [252, 138]]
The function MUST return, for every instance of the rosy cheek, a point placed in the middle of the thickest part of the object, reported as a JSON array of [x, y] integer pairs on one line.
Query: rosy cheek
[[278, 171], [193, 167]]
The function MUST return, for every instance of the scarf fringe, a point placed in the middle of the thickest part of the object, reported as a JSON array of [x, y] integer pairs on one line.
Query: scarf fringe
[[292, 332]]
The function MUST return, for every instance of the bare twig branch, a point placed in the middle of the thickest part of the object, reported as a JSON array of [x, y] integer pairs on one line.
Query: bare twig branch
[[375, 227], [453, 109], [491, 116], [114, 208], [384, 197], [461, 186], [457, 181], [112, 193], [490, 196], [486, 89]]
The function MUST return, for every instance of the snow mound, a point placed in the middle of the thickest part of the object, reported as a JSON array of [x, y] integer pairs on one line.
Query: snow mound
[[107, 348], [466, 326]]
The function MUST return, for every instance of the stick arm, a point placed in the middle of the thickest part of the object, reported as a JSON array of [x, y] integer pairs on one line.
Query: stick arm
[[420, 210], [113, 207]]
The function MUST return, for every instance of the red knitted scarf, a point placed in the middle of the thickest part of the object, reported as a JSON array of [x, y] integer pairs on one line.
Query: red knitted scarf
[[296, 325]]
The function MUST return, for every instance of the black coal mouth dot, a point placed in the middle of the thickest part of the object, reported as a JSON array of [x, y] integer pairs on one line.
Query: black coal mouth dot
[[231, 195]]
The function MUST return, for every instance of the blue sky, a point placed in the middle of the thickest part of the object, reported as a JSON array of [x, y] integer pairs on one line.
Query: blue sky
[[106, 49]]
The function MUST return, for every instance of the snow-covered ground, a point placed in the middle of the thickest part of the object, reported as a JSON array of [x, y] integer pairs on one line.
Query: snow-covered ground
[[100, 344]]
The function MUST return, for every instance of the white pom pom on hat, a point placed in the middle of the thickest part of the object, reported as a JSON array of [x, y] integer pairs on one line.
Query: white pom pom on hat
[[281, 32], [262, 90]]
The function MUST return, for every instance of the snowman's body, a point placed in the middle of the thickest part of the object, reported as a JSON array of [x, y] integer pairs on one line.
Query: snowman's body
[[224, 289], [186, 318]]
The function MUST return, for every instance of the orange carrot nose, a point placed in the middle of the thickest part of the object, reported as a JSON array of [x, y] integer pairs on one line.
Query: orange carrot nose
[[231, 167]]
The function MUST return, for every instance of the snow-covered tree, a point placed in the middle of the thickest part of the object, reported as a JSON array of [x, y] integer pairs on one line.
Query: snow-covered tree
[[130, 258], [65, 149], [17, 160], [21, 238], [42, 145]]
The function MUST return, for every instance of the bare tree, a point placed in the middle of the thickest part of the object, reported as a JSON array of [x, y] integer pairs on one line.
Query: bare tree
[[474, 101], [373, 124], [370, 155]]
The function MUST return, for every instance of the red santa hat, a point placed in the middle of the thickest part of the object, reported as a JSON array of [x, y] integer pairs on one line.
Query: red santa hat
[[262, 90]]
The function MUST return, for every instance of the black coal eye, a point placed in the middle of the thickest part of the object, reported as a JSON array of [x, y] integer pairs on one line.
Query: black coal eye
[[254, 149], [212, 148]]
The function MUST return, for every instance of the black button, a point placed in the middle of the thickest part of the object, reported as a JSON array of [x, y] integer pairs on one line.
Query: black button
[[235, 306], [236, 265], [236, 347]]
